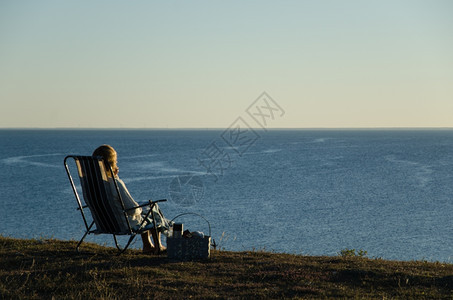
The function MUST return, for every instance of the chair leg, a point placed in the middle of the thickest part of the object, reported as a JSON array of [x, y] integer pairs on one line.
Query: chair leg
[[116, 243], [86, 233], [128, 243], [80, 242]]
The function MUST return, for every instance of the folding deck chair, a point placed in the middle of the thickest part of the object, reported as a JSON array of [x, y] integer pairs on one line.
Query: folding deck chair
[[98, 197]]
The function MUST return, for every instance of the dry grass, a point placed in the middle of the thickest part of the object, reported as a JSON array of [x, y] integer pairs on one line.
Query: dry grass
[[36, 269]]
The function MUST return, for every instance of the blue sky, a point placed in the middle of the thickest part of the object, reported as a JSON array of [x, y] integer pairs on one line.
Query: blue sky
[[186, 64]]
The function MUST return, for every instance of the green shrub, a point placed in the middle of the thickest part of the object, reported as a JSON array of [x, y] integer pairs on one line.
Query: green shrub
[[352, 253]]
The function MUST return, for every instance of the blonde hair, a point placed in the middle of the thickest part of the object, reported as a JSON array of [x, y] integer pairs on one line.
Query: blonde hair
[[109, 155]]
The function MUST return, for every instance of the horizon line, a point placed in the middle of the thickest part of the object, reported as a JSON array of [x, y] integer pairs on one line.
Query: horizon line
[[224, 128]]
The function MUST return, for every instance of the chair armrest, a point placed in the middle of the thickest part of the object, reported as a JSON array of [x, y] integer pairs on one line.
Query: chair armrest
[[148, 203], [85, 206], [161, 200]]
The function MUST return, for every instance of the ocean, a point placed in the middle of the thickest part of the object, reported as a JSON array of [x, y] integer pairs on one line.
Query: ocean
[[311, 192]]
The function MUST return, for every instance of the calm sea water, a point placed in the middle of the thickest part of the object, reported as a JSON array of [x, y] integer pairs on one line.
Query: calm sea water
[[314, 192]]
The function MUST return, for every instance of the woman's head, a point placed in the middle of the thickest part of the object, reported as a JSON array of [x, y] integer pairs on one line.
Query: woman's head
[[108, 154]]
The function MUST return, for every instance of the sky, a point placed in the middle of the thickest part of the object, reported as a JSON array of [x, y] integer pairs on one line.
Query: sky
[[202, 64]]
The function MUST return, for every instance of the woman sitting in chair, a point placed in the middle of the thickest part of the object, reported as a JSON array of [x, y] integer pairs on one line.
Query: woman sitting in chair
[[135, 216]]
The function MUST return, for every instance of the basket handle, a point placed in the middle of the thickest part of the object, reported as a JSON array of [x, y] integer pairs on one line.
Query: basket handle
[[191, 213]]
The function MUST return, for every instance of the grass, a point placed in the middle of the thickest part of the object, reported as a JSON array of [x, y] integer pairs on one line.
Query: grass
[[36, 269]]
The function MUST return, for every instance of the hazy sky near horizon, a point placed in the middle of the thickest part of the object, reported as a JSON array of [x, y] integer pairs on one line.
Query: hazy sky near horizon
[[182, 64]]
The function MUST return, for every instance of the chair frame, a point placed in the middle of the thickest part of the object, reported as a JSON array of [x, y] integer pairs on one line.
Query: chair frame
[[97, 200]]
